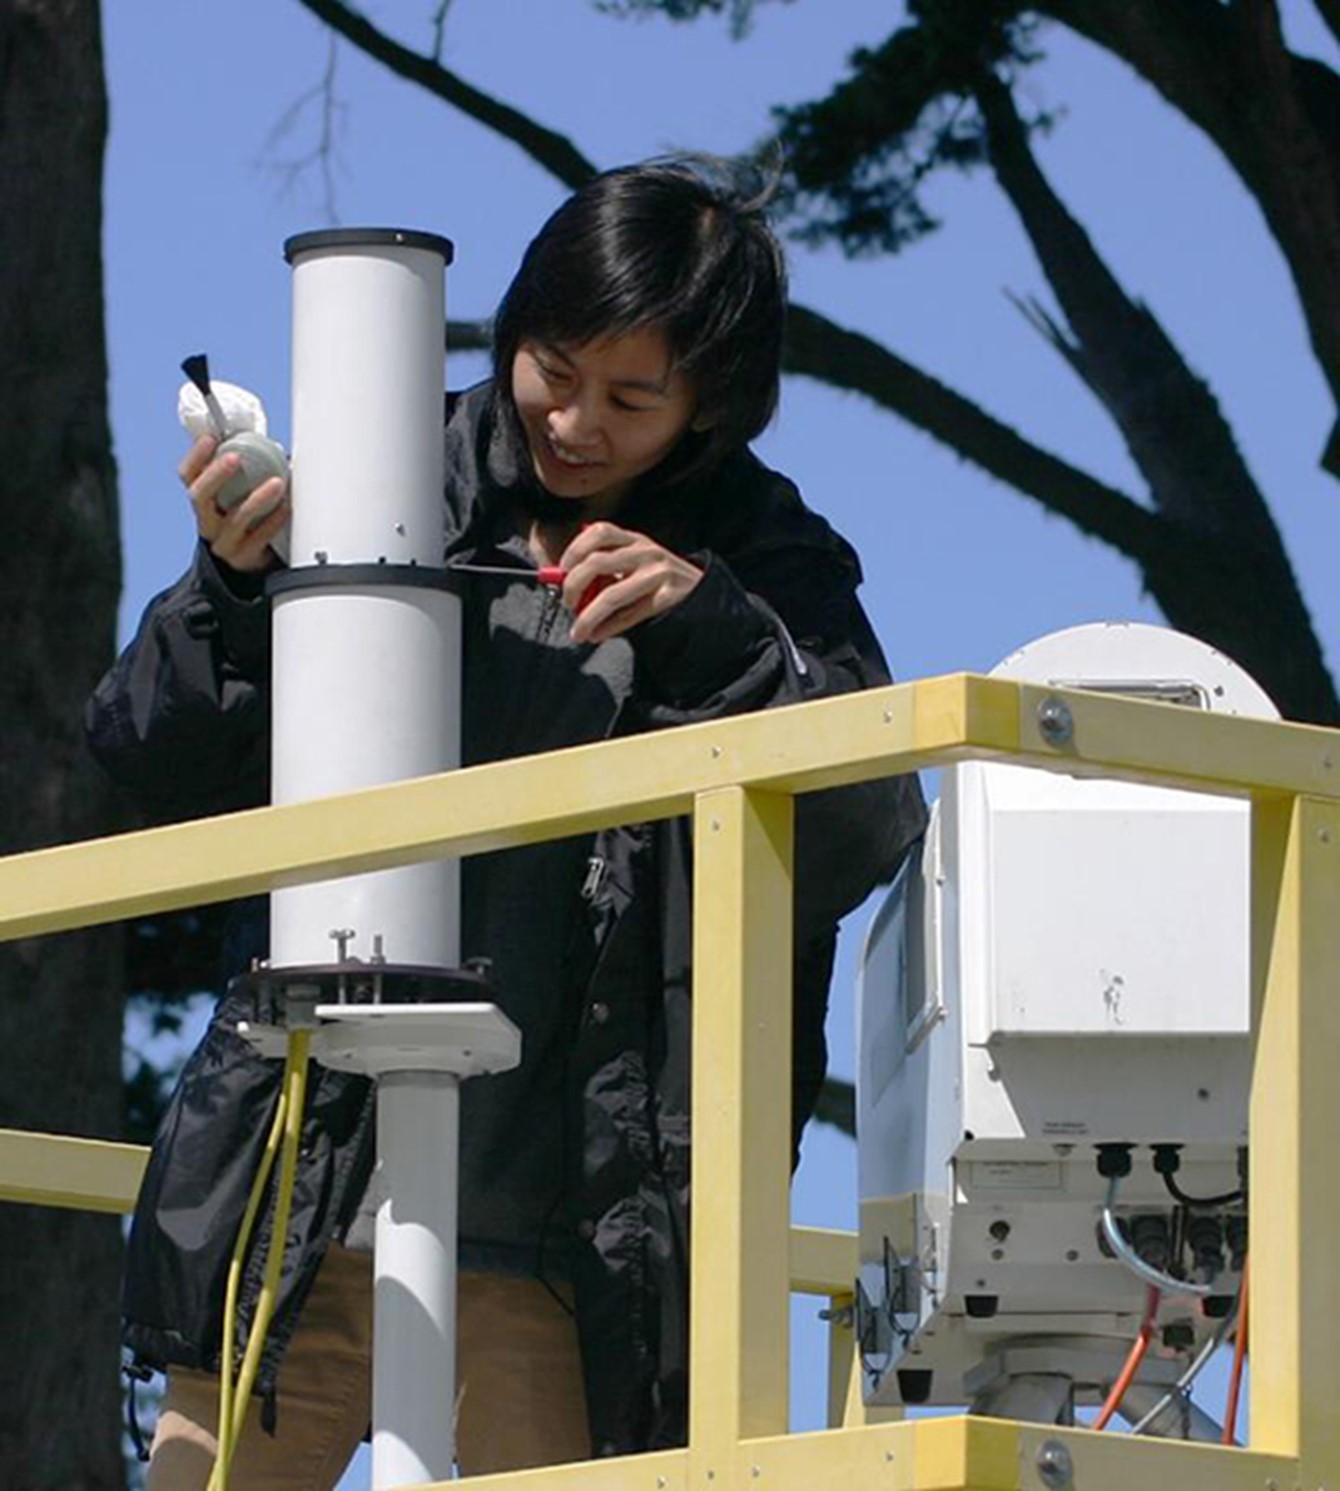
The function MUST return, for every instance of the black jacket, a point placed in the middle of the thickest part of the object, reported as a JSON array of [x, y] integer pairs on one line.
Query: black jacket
[[182, 720]]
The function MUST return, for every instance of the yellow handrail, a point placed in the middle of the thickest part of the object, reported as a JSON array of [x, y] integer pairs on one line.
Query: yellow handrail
[[736, 777]]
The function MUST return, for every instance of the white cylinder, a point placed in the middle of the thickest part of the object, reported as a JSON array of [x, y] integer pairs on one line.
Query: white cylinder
[[414, 1310], [369, 338], [366, 658], [366, 691]]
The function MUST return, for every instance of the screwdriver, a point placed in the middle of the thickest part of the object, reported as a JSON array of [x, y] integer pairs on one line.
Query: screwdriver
[[551, 575]]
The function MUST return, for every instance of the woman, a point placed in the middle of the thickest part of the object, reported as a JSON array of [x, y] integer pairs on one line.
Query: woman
[[636, 354]]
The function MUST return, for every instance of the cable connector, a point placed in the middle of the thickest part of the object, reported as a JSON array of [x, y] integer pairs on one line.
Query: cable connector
[[1167, 1159], [1114, 1161]]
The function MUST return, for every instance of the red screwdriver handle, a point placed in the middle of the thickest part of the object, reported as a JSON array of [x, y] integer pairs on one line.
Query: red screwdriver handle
[[555, 575]]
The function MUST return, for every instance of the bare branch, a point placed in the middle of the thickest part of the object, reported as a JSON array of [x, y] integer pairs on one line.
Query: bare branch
[[557, 154], [1330, 13], [818, 348], [1223, 563], [1171, 421], [324, 153], [836, 1105], [469, 336], [440, 28], [1274, 116]]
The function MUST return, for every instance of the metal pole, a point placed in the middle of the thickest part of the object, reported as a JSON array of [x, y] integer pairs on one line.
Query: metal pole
[[418, 1128]]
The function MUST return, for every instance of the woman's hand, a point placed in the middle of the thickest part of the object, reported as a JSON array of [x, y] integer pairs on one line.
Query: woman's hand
[[239, 537], [636, 579]]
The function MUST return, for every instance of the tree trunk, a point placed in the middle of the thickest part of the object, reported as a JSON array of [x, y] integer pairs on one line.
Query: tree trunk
[[60, 998]]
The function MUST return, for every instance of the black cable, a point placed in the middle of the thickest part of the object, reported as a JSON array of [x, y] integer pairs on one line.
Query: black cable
[[1179, 1195]]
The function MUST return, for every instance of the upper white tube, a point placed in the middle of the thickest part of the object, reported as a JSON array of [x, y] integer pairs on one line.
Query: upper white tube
[[369, 324], [366, 684]]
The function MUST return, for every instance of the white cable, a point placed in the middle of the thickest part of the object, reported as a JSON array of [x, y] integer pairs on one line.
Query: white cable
[[1183, 1383], [1133, 1261]]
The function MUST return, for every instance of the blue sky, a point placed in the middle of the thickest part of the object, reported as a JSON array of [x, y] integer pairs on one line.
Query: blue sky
[[960, 571]]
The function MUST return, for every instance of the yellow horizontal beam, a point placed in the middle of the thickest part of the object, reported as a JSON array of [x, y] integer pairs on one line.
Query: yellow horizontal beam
[[1001, 1456], [53, 1170], [970, 1454], [927, 1454], [83, 1174], [823, 1261], [799, 749], [665, 1471], [500, 805], [1174, 746]]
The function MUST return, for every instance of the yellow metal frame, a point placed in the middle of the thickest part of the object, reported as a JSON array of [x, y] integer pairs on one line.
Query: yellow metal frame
[[737, 777]]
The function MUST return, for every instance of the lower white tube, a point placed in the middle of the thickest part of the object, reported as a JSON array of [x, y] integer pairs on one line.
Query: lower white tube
[[414, 1350]]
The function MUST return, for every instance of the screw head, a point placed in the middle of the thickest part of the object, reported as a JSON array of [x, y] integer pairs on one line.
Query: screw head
[[1055, 1467], [1055, 722]]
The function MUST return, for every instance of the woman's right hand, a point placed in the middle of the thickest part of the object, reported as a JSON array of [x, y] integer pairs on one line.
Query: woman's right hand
[[241, 536]]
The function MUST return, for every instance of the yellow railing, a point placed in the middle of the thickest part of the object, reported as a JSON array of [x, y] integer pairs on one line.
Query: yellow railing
[[737, 777]]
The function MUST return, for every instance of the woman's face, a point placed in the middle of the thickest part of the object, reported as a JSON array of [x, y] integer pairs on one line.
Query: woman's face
[[597, 416]]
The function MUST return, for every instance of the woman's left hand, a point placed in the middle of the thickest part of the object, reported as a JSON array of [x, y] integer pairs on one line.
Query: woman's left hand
[[640, 579]]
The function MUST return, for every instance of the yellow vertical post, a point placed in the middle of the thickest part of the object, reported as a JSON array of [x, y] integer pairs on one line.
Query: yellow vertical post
[[739, 1317], [841, 1360], [1295, 1120]]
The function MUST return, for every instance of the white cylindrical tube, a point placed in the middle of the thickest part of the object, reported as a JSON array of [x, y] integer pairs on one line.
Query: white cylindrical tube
[[413, 1410], [366, 655], [366, 691], [369, 317]]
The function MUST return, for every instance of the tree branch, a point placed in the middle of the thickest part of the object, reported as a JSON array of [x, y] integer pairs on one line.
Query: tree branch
[[1171, 421], [1274, 117], [818, 348], [469, 336], [1224, 567], [555, 152], [1330, 13]]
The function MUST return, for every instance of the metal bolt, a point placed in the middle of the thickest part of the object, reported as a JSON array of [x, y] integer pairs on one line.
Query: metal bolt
[[1055, 722], [400, 529], [888, 1455], [1055, 1467], [716, 825], [342, 937], [755, 1471], [1324, 834], [888, 716], [716, 751], [321, 556]]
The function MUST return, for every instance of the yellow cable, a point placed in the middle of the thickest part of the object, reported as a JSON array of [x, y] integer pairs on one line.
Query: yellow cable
[[285, 1136], [235, 1267]]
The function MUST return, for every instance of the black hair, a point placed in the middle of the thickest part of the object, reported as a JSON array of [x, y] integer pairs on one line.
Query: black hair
[[680, 244]]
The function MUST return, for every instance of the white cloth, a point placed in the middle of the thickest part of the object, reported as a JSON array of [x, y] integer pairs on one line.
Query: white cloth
[[242, 409]]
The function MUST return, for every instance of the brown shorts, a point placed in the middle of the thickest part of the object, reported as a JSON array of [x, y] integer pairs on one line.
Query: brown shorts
[[519, 1403]]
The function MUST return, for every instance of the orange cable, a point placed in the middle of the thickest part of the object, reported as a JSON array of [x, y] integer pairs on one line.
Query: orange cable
[[1137, 1355], [1239, 1354]]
